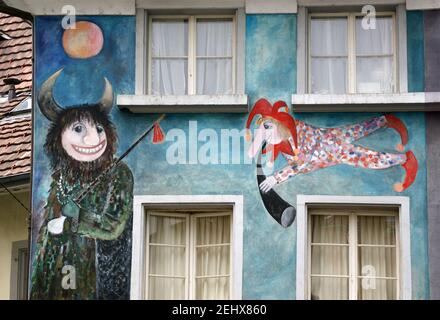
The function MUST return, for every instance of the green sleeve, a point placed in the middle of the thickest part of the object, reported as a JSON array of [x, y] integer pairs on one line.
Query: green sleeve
[[105, 212]]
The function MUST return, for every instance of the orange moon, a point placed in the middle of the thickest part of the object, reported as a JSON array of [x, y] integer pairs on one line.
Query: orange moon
[[85, 41]]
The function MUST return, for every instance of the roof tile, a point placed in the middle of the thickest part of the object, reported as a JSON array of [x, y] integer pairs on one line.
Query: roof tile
[[15, 62]]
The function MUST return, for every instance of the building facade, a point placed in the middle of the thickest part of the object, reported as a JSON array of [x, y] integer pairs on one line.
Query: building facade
[[336, 94], [15, 150]]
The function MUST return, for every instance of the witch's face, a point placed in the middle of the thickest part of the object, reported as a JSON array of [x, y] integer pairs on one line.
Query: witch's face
[[84, 141], [269, 132]]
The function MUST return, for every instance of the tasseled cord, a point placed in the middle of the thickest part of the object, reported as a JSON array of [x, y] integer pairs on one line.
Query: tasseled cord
[[158, 135]]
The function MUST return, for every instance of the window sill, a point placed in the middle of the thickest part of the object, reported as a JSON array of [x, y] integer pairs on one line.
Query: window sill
[[236, 103], [380, 102]]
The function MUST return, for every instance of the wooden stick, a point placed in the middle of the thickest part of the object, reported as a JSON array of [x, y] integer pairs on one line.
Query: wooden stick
[[114, 164]]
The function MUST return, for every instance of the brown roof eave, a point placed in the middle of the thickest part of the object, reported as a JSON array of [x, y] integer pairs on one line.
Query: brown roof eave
[[16, 12], [16, 180]]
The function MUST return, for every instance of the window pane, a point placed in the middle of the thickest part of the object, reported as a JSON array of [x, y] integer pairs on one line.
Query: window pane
[[213, 261], [214, 37], [169, 76], [329, 229], [328, 36], [377, 262], [166, 289], [214, 76], [374, 75], [167, 230], [329, 75], [375, 41], [213, 230], [22, 274], [377, 230], [328, 48], [170, 261], [212, 288], [324, 288], [168, 258], [377, 289], [169, 43], [214, 40], [329, 260], [169, 38]]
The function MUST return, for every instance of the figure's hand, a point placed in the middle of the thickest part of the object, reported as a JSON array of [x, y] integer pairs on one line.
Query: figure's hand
[[71, 209], [56, 226], [268, 184]]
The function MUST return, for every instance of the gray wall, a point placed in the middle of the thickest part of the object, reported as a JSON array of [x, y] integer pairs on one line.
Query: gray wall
[[433, 163], [432, 83], [432, 48]]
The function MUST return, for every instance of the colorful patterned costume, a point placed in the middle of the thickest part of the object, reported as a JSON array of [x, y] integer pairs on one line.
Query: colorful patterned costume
[[309, 148], [324, 147], [100, 239]]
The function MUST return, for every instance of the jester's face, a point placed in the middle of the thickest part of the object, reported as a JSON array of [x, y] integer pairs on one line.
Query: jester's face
[[84, 140], [269, 131]]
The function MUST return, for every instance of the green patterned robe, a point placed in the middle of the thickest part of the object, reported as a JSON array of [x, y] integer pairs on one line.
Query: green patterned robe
[[101, 232]]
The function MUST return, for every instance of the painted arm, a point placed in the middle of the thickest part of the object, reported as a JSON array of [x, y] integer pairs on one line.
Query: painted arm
[[109, 222], [281, 176]]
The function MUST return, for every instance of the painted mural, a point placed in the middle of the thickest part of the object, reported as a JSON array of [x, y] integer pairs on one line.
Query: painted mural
[[82, 248], [270, 72], [307, 148], [83, 245]]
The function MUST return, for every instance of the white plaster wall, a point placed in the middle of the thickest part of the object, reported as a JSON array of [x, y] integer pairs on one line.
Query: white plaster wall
[[13, 227]]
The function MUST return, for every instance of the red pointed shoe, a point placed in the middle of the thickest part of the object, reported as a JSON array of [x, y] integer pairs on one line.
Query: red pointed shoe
[[397, 124], [411, 166]]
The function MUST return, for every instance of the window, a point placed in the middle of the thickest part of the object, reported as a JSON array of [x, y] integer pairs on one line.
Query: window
[[191, 55], [19, 270], [189, 255], [354, 253], [343, 57]]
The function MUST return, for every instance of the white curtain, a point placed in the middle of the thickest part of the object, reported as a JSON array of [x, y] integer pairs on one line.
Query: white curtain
[[376, 259], [167, 257], [169, 63], [213, 257], [329, 55], [214, 56], [168, 252], [331, 260], [374, 62]]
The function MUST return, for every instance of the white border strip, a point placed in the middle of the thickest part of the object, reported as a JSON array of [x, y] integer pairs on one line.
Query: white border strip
[[274, 6], [190, 4], [422, 4], [405, 235], [82, 7], [137, 263], [373, 98]]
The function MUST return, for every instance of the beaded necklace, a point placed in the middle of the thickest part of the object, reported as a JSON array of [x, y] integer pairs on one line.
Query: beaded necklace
[[65, 190]]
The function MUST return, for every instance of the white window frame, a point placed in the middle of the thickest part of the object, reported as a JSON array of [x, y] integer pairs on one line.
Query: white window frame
[[142, 203], [190, 244], [143, 57], [401, 100], [192, 47], [403, 243], [351, 76], [352, 245]]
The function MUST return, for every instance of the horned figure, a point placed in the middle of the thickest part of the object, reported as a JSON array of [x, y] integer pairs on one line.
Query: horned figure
[[308, 148], [83, 249]]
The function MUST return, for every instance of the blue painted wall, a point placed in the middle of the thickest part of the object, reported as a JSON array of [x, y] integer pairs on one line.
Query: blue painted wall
[[269, 250], [416, 51]]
